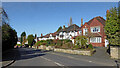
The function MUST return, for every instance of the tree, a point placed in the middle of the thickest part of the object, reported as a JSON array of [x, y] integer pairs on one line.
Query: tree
[[81, 41], [9, 35], [112, 26], [30, 39], [23, 37], [35, 35], [59, 29]]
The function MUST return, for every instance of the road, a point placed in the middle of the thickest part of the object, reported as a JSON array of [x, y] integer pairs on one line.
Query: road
[[35, 57]]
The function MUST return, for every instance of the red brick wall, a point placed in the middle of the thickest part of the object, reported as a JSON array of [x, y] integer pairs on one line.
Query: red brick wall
[[87, 26], [95, 22]]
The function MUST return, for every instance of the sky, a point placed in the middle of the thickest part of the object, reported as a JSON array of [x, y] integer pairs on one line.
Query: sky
[[47, 17]]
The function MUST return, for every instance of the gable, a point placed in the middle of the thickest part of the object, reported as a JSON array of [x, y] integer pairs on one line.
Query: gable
[[95, 22], [85, 25]]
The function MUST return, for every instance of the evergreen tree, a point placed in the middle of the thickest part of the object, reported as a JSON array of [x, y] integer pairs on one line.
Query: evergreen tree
[[35, 35], [112, 27], [23, 37]]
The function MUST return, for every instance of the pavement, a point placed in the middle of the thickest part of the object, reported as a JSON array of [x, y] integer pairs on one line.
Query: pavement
[[36, 57], [9, 57]]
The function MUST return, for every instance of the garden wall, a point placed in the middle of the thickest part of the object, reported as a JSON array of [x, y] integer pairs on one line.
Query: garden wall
[[115, 52], [70, 51]]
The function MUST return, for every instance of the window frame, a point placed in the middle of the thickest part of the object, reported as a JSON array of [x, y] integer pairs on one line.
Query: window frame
[[85, 31], [96, 40], [92, 28]]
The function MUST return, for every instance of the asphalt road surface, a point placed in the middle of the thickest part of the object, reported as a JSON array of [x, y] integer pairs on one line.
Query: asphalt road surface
[[36, 57]]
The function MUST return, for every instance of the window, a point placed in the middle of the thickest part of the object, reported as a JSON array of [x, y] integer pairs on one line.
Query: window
[[95, 29], [84, 31], [95, 40], [80, 32]]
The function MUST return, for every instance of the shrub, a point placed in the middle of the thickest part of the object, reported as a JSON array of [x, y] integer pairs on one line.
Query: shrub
[[81, 41], [76, 47], [90, 46], [37, 43], [52, 44], [66, 41], [30, 39], [46, 45], [18, 44]]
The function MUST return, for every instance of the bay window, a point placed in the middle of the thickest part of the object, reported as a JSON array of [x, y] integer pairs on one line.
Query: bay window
[[95, 40]]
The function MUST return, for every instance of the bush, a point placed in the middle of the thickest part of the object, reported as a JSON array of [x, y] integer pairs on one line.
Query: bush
[[66, 41], [81, 41], [76, 47], [30, 39], [57, 43], [37, 43], [49, 41], [90, 46], [46, 45], [18, 44]]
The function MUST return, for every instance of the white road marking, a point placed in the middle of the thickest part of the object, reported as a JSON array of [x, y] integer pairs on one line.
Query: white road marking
[[45, 58], [58, 64], [53, 61], [90, 61]]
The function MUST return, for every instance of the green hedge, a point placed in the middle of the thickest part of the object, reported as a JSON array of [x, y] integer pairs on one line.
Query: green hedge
[[57, 43], [90, 46]]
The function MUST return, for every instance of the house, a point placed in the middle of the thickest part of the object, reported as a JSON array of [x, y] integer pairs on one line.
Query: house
[[94, 29], [68, 32], [18, 42], [48, 36]]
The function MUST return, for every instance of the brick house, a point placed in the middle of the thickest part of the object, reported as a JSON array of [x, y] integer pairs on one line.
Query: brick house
[[94, 29]]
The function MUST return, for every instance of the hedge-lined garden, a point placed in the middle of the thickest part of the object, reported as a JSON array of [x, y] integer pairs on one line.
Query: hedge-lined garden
[[80, 43]]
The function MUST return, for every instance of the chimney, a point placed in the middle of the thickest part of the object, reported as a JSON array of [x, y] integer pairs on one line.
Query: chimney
[[41, 34], [63, 26], [107, 11], [81, 21], [107, 14]]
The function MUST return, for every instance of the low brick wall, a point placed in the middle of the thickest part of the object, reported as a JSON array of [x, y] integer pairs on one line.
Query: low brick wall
[[70, 51], [79, 52], [115, 52]]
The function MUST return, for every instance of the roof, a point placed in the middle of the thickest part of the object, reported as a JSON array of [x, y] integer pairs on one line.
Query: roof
[[72, 27], [48, 35], [54, 34], [94, 35], [99, 18]]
